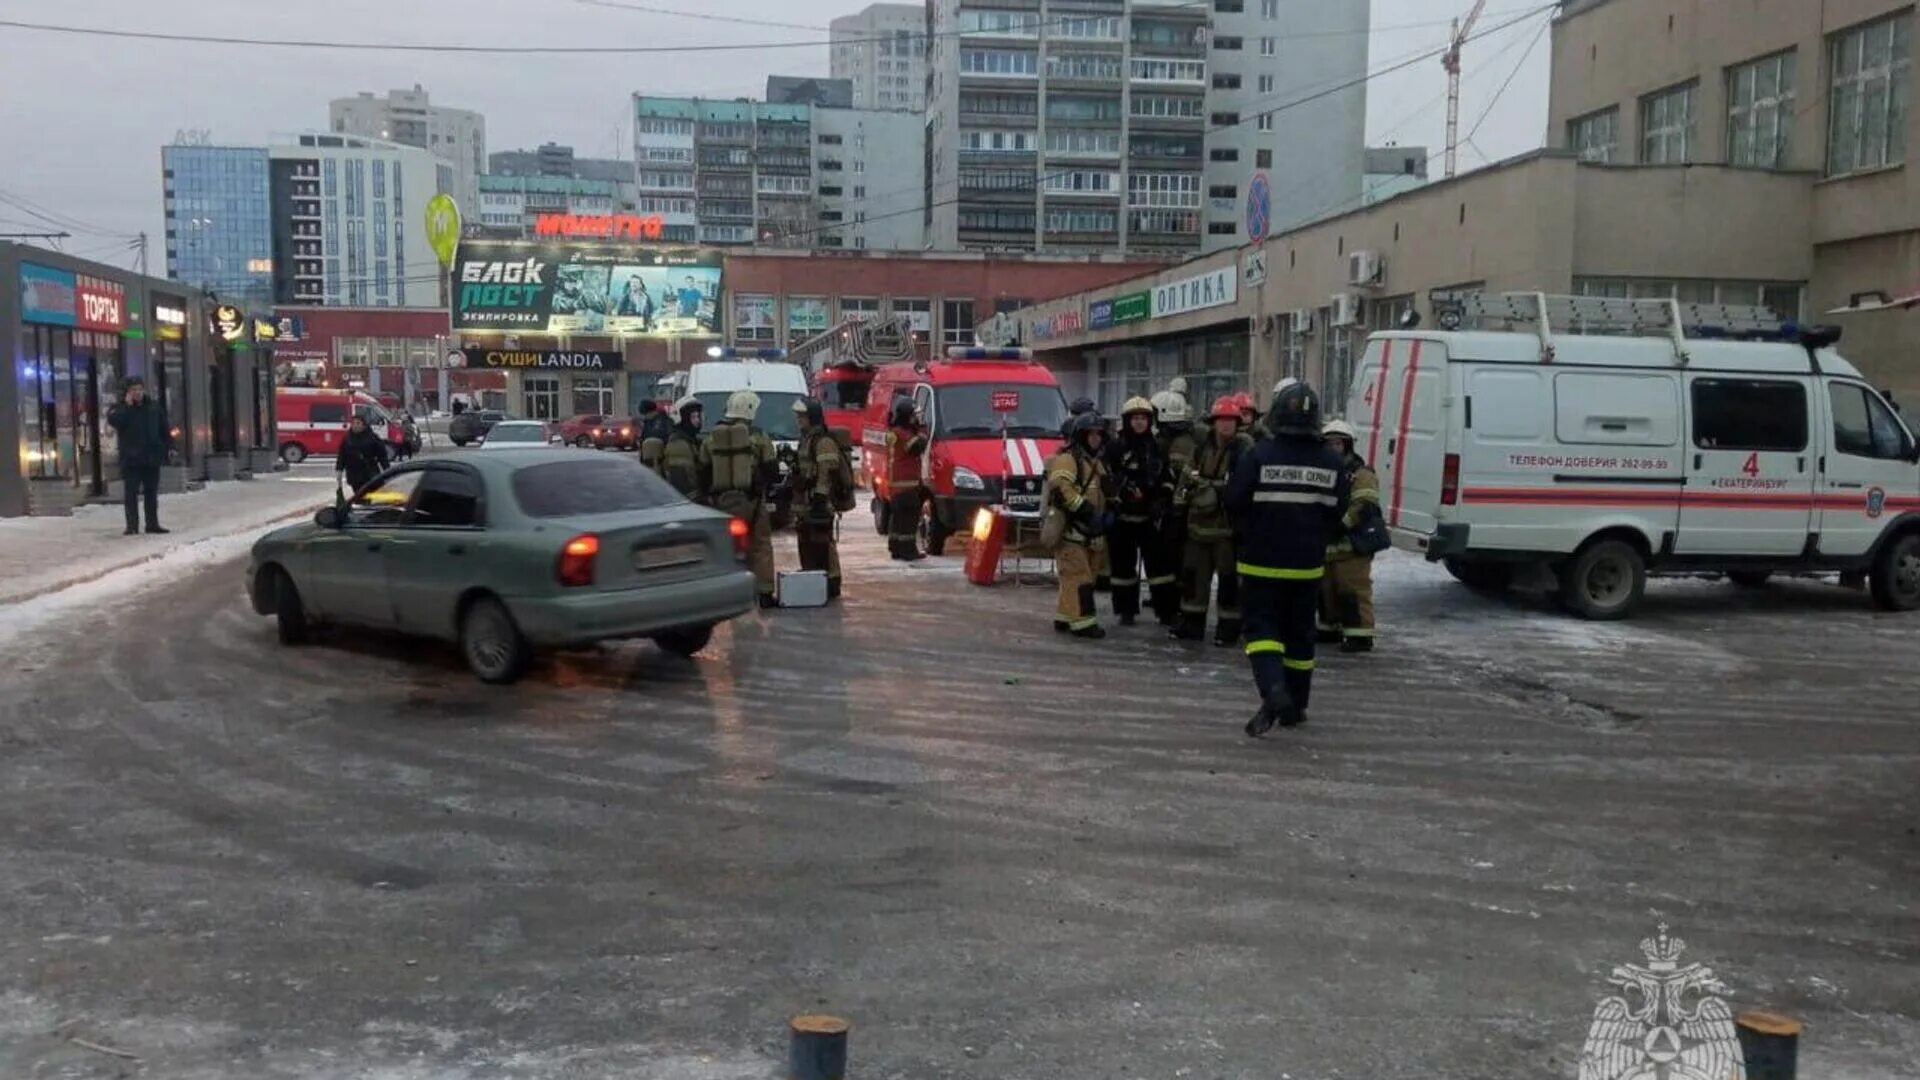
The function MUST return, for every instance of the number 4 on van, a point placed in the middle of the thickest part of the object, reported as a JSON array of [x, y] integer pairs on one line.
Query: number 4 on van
[[1752, 466]]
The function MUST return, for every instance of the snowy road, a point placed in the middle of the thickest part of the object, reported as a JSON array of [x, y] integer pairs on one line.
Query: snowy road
[[999, 852]]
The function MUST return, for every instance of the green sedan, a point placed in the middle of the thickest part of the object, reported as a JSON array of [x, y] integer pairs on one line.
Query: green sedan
[[508, 552]]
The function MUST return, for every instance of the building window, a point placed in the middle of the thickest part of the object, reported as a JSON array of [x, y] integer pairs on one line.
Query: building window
[[919, 315], [996, 62], [1076, 141], [1266, 46], [1147, 69], [1266, 84], [994, 21], [1224, 119], [1263, 122], [1224, 153], [540, 397], [592, 395], [1263, 159], [1867, 111], [1178, 190], [1097, 28], [1227, 42], [1760, 112], [1074, 219], [1226, 82], [1222, 228], [1229, 6], [1269, 9], [1101, 66], [1595, 136], [1666, 126], [1156, 105], [1223, 191], [956, 322], [1083, 182]]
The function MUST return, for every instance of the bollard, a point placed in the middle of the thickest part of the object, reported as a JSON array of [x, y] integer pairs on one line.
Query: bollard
[[818, 1050], [1770, 1043]]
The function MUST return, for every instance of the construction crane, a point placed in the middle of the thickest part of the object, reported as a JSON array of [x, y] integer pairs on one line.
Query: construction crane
[[1450, 60]]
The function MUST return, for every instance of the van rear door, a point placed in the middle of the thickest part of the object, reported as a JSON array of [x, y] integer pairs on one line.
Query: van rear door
[[1403, 428], [1750, 466]]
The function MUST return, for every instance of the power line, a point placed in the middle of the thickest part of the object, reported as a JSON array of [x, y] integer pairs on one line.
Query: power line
[[1498, 94]]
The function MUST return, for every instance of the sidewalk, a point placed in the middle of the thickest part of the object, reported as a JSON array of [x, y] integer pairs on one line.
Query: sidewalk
[[41, 555]]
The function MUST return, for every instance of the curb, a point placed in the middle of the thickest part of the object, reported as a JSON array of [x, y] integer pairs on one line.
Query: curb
[[92, 576]]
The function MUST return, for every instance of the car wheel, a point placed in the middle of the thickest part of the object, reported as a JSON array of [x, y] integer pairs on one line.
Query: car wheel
[[289, 614], [494, 650], [293, 453], [933, 535], [1749, 579], [685, 641], [584, 442], [1604, 580], [1896, 574], [1483, 577], [458, 440], [879, 515]]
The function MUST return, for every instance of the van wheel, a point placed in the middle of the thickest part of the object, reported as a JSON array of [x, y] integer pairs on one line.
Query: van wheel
[[879, 514], [1749, 579], [1896, 574], [1482, 577], [685, 641], [494, 650], [1604, 580], [293, 453], [290, 615]]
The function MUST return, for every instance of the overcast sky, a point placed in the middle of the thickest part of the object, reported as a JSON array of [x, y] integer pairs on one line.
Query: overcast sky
[[83, 118]]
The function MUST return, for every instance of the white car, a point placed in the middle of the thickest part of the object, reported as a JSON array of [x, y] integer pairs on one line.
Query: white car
[[515, 435]]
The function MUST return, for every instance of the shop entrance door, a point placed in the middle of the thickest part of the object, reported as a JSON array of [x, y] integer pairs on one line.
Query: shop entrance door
[[84, 393]]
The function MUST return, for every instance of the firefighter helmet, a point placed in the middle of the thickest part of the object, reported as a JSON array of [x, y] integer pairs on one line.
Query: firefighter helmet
[[901, 413], [811, 408], [1078, 431], [1171, 407], [686, 405], [1082, 406], [1137, 404], [1283, 384], [743, 405], [1225, 407], [1296, 412], [1338, 429]]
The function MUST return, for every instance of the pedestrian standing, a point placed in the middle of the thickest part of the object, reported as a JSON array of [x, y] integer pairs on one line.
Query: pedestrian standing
[[1287, 498], [1209, 552], [906, 441], [1076, 485], [1139, 478], [1346, 593], [738, 460], [145, 440], [822, 476], [363, 455]]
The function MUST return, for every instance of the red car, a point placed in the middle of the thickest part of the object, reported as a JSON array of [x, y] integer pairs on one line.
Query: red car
[[598, 432]]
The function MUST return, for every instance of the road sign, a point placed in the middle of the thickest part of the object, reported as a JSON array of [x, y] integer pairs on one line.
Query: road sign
[[1253, 267], [1259, 207]]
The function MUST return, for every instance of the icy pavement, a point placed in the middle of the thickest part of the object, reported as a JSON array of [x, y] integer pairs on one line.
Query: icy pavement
[[1000, 852], [41, 555]]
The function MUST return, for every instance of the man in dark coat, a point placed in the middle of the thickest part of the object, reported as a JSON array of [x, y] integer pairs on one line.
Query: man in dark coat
[[145, 440], [363, 455]]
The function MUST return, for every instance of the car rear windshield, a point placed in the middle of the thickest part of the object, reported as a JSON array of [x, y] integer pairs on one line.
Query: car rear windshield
[[526, 433], [594, 485]]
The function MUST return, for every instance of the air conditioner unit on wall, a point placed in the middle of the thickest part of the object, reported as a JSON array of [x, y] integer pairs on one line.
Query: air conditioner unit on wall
[[1366, 268], [1348, 309], [1302, 319]]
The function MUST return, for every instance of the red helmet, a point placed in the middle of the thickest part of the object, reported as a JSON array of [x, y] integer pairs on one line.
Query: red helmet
[[1243, 401], [1225, 407]]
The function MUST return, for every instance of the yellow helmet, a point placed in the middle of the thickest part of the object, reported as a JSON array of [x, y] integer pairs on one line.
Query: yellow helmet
[[743, 405], [1136, 404]]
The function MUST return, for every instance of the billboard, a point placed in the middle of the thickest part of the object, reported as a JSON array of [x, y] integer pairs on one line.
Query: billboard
[[547, 288]]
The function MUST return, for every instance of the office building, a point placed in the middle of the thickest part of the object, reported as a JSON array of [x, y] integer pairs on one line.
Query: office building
[[800, 90], [882, 51], [219, 226], [868, 166], [1392, 170], [725, 172], [349, 222], [1138, 126], [407, 117], [510, 205]]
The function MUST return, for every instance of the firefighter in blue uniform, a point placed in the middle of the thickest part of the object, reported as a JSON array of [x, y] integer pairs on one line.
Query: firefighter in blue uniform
[[1287, 499]]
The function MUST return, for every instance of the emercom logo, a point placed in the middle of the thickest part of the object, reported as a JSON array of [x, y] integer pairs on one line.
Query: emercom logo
[[501, 287]]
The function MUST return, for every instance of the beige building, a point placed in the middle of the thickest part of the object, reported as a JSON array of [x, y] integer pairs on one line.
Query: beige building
[[1684, 168]]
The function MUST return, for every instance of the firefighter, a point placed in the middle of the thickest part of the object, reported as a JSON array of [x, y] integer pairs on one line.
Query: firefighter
[[1076, 480], [1138, 475], [906, 441], [1209, 540], [1287, 499], [1346, 593], [1249, 416], [653, 429], [740, 467], [1081, 406], [680, 452], [818, 475], [1174, 433]]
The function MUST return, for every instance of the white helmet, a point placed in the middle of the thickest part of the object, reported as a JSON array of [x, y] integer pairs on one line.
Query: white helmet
[[743, 405], [1283, 384], [1178, 385], [1171, 407], [1338, 428]]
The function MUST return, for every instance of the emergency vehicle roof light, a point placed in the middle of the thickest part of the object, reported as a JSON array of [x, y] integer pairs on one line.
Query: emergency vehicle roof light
[[961, 352], [731, 352]]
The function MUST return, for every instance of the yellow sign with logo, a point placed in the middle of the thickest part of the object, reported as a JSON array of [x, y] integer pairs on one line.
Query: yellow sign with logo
[[443, 227]]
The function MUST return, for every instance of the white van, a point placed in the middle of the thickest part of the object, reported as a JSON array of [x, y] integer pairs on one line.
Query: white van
[[1604, 458], [779, 385]]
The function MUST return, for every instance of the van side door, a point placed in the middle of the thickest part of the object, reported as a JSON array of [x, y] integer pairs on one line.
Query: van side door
[[1750, 466], [1407, 446], [1868, 475]]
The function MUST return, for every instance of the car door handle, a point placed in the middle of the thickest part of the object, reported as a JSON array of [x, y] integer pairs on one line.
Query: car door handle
[[1698, 461], [1391, 443], [1800, 464]]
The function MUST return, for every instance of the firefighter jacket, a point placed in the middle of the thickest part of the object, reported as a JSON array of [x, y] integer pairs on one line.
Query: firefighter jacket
[[1287, 498], [1205, 487], [680, 462], [1139, 477], [1364, 492], [817, 465], [738, 458], [1078, 482], [1177, 444], [905, 444]]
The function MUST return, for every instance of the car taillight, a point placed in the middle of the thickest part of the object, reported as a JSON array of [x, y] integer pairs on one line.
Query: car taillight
[[1450, 481], [740, 531], [576, 560]]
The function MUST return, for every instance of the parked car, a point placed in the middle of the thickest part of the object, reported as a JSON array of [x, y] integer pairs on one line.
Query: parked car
[[472, 425], [516, 435], [599, 432], [507, 553]]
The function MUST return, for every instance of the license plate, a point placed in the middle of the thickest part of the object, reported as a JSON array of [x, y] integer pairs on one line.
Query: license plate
[[1023, 504], [655, 558]]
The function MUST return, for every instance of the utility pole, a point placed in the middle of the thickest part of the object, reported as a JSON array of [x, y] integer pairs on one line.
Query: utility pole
[[140, 245]]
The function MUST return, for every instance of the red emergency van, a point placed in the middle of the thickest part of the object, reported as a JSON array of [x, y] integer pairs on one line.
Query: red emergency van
[[992, 425], [311, 420]]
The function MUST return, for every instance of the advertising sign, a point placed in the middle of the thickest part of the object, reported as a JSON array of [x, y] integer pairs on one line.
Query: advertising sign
[[170, 321], [806, 315], [46, 295], [553, 359], [1132, 307], [1056, 324], [562, 289], [612, 226], [229, 322], [1211, 289], [99, 304], [443, 227], [753, 316]]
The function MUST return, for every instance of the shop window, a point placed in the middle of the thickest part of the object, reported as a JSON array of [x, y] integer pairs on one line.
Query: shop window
[[956, 322], [540, 397], [592, 395]]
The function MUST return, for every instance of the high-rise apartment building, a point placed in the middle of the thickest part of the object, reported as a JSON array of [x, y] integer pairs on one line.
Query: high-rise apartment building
[[1137, 125], [407, 117], [868, 167], [882, 51], [511, 205], [725, 172], [558, 161], [219, 224], [349, 222]]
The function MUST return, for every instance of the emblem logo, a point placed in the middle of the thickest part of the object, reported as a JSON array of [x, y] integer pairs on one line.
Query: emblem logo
[[1664, 1024], [1876, 502]]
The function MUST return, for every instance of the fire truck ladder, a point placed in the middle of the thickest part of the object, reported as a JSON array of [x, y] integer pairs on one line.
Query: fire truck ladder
[[859, 341], [1674, 320]]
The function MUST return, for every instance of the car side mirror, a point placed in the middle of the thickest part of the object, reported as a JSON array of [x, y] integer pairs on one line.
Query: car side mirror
[[327, 517]]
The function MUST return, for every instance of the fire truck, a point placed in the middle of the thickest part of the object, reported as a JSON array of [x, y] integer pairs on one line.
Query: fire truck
[[840, 365]]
